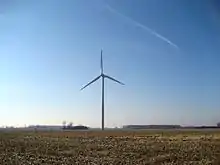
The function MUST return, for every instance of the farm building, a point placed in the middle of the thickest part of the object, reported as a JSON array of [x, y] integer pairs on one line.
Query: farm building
[[79, 127], [151, 126]]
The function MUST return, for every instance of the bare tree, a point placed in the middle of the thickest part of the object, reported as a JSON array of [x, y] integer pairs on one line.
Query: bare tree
[[70, 124], [64, 124]]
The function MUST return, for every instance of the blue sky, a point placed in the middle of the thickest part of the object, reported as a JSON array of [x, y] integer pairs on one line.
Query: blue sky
[[166, 52]]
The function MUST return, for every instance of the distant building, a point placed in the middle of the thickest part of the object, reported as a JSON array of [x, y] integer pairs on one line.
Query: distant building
[[45, 127], [79, 127], [218, 124], [151, 126]]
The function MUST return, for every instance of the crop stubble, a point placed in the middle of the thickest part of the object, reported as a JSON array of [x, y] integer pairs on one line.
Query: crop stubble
[[110, 147]]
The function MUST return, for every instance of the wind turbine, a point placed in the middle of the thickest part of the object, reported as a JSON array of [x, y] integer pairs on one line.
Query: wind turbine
[[103, 76]]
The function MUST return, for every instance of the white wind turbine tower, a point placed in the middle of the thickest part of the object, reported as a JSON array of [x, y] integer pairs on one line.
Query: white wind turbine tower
[[103, 76]]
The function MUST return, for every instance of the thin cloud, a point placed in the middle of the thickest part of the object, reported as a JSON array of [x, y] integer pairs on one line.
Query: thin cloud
[[142, 26]]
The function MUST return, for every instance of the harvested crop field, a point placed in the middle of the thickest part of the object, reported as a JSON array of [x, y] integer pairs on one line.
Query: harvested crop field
[[110, 147]]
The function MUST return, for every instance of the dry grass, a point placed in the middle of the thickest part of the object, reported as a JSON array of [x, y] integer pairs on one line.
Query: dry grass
[[110, 147]]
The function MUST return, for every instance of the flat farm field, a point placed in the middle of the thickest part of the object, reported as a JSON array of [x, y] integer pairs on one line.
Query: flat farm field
[[182, 147]]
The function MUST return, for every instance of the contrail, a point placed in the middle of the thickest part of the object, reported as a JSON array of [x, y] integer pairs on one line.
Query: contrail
[[142, 26]]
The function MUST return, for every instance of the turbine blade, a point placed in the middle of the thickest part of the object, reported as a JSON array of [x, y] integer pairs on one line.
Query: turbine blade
[[101, 63], [90, 82], [114, 79]]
